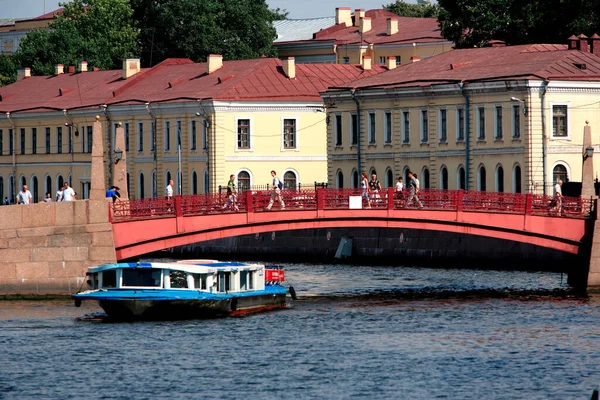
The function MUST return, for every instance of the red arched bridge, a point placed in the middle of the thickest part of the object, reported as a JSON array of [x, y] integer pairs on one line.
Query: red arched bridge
[[148, 225]]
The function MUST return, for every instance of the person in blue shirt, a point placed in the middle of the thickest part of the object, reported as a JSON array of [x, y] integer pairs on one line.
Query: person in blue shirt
[[113, 193]]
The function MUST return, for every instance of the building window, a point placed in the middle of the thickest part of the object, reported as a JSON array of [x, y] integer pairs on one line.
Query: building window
[[559, 121], [387, 134], [243, 133], [480, 123], [83, 139], [194, 182], [243, 179], [47, 140], [424, 179], [405, 127], [289, 180], [152, 136], [443, 126], [140, 138], [22, 137], [178, 124], [167, 136], [205, 125], [355, 183], [500, 179], [516, 126], [207, 182], [59, 140], [481, 179], [517, 186], [371, 128], [559, 173], [339, 137], [462, 178], [339, 180], [142, 186], [33, 141], [90, 138], [460, 127], [398, 60], [389, 178], [126, 136], [289, 133], [499, 128], [70, 133], [346, 60], [353, 129], [193, 135], [444, 178], [424, 127]]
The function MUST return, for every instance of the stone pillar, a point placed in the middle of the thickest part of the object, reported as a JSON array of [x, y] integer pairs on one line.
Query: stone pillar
[[98, 190], [587, 174], [119, 173]]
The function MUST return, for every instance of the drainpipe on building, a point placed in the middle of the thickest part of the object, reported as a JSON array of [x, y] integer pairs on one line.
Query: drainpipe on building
[[461, 85], [109, 144], [69, 126], [14, 159], [155, 180], [354, 97], [544, 88]]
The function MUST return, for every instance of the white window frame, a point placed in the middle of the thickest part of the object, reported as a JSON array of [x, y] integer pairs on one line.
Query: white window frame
[[497, 181], [442, 168], [352, 114], [244, 170], [388, 133], [178, 133], [382, 60], [440, 111], [478, 126], [297, 123], [458, 127], [496, 137], [405, 134], [458, 176], [140, 134], [513, 124], [251, 136], [193, 131], [294, 171], [514, 176], [551, 122], [167, 139], [337, 126], [205, 126], [372, 127], [424, 128]]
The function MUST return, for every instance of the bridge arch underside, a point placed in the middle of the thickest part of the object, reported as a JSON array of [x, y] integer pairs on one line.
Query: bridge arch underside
[[435, 236]]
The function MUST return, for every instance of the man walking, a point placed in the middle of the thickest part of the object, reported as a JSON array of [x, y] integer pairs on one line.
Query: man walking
[[24, 196], [169, 190], [412, 188], [558, 197], [276, 192], [68, 193], [231, 194]]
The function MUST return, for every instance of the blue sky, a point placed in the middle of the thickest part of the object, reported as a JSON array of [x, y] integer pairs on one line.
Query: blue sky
[[297, 9]]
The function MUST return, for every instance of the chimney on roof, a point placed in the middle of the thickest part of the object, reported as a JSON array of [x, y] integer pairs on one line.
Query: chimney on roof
[[214, 62], [23, 73], [59, 69], [595, 44], [358, 14], [583, 43], [365, 24], [366, 64], [392, 26], [573, 42], [131, 66], [343, 15], [82, 66], [414, 59], [71, 69], [289, 67], [391, 62]]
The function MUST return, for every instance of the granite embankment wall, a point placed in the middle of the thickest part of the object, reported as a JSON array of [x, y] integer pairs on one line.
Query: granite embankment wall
[[45, 248]]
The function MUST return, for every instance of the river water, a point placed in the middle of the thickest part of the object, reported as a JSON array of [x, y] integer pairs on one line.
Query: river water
[[354, 332]]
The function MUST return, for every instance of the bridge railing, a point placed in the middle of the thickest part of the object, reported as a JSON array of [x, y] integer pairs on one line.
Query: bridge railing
[[339, 199]]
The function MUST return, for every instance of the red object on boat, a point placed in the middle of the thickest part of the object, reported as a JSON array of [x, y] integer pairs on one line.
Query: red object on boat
[[275, 275]]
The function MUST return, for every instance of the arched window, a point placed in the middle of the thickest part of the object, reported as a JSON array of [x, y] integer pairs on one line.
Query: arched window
[[481, 179], [153, 184], [289, 180], [167, 178], [559, 173], [444, 178], [23, 182], [141, 186], [389, 178], [48, 186], [355, 179], [206, 183], [339, 180], [243, 179], [405, 175], [499, 179], [61, 182], [461, 178], [517, 187], [424, 181], [34, 189], [194, 182], [372, 171]]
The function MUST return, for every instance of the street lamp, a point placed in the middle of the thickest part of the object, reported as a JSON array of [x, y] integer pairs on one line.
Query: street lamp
[[522, 102], [118, 155], [589, 152]]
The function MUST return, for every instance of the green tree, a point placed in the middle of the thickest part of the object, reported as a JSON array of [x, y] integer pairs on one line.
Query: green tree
[[471, 23], [7, 70], [101, 32], [237, 29], [403, 9]]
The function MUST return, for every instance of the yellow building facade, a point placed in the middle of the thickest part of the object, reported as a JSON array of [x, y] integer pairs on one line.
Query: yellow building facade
[[460, 122]]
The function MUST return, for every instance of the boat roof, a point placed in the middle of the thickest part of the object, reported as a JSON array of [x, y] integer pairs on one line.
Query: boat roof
[[199, 266]]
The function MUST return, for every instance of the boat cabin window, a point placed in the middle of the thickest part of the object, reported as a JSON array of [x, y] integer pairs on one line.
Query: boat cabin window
[[178, 279], [92, 281], [109, 278], [142, 277], [246, 280], [224, 281], [200, 281]]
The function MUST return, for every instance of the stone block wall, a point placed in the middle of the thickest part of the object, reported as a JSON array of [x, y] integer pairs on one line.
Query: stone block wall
[[46, 248]]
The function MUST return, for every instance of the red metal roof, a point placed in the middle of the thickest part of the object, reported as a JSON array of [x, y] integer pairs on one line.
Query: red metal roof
[[538, 61], [42, 17], [178, 80]]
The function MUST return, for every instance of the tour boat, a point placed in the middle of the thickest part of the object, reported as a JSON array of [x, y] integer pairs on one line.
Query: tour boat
[[184, 289]]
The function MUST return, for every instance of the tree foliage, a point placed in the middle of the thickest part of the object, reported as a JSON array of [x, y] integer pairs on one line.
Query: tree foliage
[[100, 32], [403, 9], [237, 29], [471, 23], [7, 70]]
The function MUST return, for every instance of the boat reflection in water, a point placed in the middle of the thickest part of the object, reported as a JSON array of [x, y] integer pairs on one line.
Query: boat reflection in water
[[184, 290]]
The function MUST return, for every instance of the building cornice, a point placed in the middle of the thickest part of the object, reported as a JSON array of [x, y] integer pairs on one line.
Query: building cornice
[[275, 158]]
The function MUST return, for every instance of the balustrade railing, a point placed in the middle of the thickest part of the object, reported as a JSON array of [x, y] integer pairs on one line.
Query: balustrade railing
[[340, 199]]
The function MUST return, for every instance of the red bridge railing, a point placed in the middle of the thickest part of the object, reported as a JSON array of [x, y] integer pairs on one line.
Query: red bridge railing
[[343, 199]]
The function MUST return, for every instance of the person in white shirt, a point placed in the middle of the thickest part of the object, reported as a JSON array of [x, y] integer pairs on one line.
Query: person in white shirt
[[275, 192], [48, 198], [68, 193], [558, 197], [169, 190], [399, 185], [59, 194], [24, 196]]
